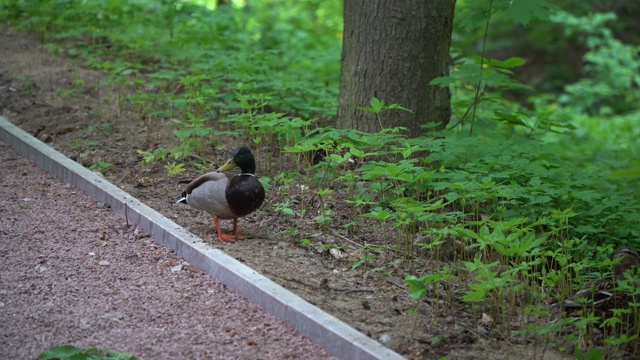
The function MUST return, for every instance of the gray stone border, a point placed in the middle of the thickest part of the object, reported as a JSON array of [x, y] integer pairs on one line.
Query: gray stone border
[[336, 337]]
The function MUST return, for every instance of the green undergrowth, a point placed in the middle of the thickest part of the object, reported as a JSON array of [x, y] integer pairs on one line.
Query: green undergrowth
[[282, 50], [513, 207]]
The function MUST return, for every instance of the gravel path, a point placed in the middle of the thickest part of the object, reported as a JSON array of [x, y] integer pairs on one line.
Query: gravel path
[[73, 272]]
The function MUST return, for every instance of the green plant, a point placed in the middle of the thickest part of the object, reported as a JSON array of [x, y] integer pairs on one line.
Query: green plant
[[486, 77], [284, 207], [324, 212], [305, 242], [103, 129], [70, 352], [593, 354], [174, 169], [191, 132], [158, 154], [377, 107], [100, 166], [365, 259]]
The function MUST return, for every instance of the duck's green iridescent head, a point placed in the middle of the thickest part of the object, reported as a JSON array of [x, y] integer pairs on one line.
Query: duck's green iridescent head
[[243, 158]]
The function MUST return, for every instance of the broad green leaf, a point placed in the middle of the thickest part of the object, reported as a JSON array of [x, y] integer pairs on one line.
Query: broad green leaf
[[630, 172], [509, 63], [523, 11], [376, 104]]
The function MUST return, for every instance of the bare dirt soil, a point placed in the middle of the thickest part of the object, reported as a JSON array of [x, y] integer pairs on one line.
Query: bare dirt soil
[[73, 272], [85, 125]]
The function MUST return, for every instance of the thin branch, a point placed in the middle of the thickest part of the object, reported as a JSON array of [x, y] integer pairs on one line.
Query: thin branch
[[484, 45]]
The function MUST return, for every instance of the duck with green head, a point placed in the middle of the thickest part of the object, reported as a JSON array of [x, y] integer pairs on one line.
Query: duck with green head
[[226, 195]]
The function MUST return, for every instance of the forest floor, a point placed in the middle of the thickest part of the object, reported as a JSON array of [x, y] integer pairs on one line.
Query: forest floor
[[35, 94]]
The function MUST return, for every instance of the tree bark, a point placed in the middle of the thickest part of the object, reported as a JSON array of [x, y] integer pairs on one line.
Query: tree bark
[[392, 50]]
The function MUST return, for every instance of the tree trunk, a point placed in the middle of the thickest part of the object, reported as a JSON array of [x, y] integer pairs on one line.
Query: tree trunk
[[392, 50]]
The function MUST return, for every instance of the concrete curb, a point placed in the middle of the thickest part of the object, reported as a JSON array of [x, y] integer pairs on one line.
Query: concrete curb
[[336, 337]]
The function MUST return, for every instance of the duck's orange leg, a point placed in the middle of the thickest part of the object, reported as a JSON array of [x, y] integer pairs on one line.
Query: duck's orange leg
[[234, 233], [227, 237]]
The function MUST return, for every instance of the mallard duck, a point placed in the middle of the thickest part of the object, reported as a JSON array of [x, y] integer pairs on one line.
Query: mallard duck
[[227, 195], [601, 296]]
